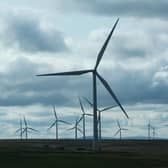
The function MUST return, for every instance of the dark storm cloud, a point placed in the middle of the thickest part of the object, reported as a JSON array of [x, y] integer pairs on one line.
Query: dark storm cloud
[[119, 8], [27, 33]]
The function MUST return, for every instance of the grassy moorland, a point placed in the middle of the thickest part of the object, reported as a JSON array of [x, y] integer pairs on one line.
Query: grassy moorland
[[69, 153]]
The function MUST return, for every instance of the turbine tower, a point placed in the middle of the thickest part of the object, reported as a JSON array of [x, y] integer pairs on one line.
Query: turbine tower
[[83, 117], [76, 128], [99, 114], [27, 129], [95, 74], [120, 130], [56, 123]]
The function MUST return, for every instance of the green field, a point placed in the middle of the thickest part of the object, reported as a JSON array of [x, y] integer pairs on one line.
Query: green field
[[38, 153]]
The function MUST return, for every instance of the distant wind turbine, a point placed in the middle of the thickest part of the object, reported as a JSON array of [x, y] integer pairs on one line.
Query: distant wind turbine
[[56, 123], [120, 130], [149, 130], [99, 113], [76, 128], [103, 81], [83, 117], [153, 131], [20, 129], [27, 129]]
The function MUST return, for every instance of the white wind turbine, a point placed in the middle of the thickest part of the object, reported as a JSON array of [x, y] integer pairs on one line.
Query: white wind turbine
[[57, 120], [95, 74], [20, 130], [154, 132], [99, 114], [120, 130], [76, 128], [149, 130], [83, 117], [27, 129]]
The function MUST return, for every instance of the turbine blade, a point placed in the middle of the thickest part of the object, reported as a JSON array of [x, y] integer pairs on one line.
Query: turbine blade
[[25, 122], [17, 130], [117, 132], [51, 125], [55, 114], [20, 123], [100, 55], [71, 128], [79, 120], [80, 130], [33, 129], [24, 130], [108, 108], [106, 85], [89, 114], [118, 123], [152, 127], [63, 122], [28, 131], [81, 105], [88, 101], [124, 129], [67, 73]]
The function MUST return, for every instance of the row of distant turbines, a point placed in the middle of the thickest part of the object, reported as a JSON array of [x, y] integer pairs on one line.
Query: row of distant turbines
[[25, 129]]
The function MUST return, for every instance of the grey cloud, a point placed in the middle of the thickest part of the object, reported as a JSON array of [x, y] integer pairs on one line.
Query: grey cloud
[[141, 42], [137, 86], [124, 8], [26, 33], [130, 52], [131, 8], [22, 87]]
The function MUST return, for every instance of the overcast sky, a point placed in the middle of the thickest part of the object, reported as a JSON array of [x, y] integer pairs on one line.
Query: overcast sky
[[56, 35]]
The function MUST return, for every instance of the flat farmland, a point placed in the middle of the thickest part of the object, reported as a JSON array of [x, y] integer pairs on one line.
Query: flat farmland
[[45, 153]]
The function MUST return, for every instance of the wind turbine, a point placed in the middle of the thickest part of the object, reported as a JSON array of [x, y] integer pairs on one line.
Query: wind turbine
[[56, 123], [149, 130], [120, 130], [76, 128], [27, 129], [153, 132], [83, 117], [99, 113], [94, 75], [20, 129]]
